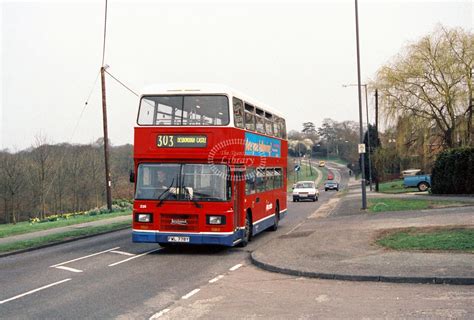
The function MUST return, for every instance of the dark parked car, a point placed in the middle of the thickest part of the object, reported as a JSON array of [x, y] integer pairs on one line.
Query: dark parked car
[[331, 185]]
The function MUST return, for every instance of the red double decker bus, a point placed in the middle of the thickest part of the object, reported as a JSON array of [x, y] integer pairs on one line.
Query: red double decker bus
[[210, 166]]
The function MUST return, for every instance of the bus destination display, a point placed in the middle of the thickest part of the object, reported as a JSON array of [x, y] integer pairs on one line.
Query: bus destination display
[[181, 141]]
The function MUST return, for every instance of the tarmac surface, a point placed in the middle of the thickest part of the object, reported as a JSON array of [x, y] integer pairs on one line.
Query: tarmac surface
[[337, 242]]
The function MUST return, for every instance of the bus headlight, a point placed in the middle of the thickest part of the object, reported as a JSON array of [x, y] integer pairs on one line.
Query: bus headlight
[[143, 217], [215, 220]]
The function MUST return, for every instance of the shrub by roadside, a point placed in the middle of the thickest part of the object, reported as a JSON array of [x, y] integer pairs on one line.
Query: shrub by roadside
[[453, 172]]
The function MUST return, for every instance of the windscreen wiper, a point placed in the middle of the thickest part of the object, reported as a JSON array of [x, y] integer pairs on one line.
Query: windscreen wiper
[[196, 203], [164, 192]]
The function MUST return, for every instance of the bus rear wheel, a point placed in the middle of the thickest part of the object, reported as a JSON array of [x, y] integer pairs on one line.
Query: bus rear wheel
[[277, 220], [247, 231]]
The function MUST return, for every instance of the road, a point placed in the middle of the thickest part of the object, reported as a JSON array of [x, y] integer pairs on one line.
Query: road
[[109, 276]]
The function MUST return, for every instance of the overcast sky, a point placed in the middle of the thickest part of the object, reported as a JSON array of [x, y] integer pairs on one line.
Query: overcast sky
[[293, 56]]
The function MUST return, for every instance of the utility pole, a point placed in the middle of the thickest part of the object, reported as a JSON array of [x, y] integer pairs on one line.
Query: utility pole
[[108, 182], [376, 131], [368, 137], [361, 129], [470, 131]]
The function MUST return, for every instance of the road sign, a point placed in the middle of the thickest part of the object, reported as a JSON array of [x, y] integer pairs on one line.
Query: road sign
[[361, 147], [297, 167]]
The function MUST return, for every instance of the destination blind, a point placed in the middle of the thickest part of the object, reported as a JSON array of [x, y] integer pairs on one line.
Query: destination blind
[[181, 141]]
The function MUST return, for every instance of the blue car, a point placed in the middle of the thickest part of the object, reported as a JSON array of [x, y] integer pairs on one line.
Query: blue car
[[419, 180]]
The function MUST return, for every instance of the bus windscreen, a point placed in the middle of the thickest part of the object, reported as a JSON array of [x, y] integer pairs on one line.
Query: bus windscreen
[[172, 181]]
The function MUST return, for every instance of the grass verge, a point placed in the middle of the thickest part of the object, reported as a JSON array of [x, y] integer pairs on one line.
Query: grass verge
[[395, 186], [59, 237], [388, 204], [7, 230], [452, 239]]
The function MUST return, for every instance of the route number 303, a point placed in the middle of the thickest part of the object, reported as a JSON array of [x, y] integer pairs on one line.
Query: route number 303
[[165, 141]]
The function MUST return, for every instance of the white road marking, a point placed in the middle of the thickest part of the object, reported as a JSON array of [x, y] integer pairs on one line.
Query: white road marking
[[123, 253], [237, 266], [216, 279], [91, 255], [68, 269], [296, 227], [159, 314], [192, 293], [134, 257], [33, 291]]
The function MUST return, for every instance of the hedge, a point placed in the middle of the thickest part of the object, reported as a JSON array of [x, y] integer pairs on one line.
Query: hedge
[[453, 172]]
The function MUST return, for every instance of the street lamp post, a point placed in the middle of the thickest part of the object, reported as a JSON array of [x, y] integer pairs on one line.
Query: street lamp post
[[361, 131]]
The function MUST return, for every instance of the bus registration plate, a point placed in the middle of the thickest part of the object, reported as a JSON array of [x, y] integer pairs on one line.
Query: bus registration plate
[[178, 239]]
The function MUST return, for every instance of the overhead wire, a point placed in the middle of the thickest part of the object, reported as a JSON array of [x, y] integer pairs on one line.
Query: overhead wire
[[124, 85]]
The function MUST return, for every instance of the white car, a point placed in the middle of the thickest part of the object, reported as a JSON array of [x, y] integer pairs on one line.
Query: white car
[[303, 190]]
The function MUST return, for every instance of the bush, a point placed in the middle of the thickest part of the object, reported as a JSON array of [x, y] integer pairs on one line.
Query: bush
[[453, 172]]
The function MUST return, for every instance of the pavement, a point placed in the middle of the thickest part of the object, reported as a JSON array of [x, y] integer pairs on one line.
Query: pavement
[[337, 242]]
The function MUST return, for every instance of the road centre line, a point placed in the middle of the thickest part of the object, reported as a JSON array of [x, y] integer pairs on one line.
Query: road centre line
[[134, 257], [190, 294], [33, 291], [216, 279], [88, 256], [159, 314], [123, 253], [237, 266], [68, 269]]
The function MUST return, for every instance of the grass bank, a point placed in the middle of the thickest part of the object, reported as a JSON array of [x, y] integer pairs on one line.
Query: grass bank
[[454, 239], [60, 237], [305, 173], [7, 230], [388, 204]]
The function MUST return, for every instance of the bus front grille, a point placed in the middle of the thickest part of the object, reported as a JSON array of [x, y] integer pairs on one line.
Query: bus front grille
[[179, 222]]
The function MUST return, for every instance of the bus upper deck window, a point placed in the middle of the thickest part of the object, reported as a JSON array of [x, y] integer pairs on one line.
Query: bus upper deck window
[[259, 120], [238, 113], [269, 123], [249, 117]]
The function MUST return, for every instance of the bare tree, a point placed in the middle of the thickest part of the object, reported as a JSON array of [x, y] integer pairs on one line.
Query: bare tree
[[13, 180], [94, 172], [41, 163]]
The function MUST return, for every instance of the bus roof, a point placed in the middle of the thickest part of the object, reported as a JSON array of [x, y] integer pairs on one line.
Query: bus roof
[[203, 88]]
